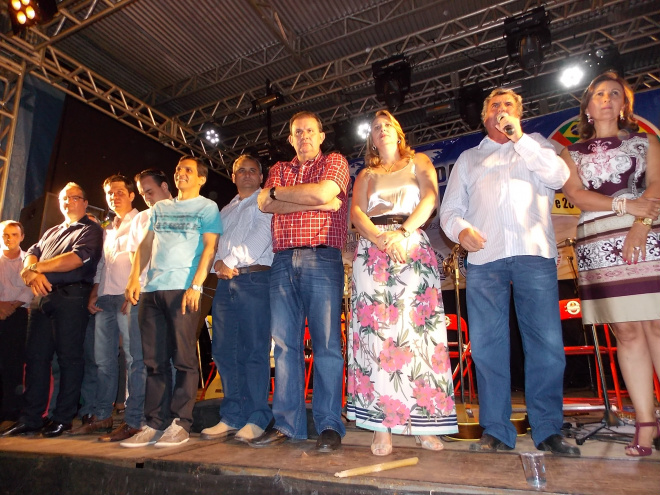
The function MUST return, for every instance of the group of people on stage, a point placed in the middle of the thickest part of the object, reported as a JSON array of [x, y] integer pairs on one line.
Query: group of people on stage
[[276, 252]]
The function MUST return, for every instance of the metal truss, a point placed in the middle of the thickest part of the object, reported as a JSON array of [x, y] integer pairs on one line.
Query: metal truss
[[11, 84], [73, 78], [459, 52]]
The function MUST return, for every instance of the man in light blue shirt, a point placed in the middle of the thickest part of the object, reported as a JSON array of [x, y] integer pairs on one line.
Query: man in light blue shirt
[[497, 206], [241, 309], [180, 245]]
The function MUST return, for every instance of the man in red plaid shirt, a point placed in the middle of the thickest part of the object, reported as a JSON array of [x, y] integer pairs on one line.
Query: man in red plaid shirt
[[308, 199]]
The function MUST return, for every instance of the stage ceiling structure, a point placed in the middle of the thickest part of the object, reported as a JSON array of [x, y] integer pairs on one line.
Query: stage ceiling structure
[[173, 68]]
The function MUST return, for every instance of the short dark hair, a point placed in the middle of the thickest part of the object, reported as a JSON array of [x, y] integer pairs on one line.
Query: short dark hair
[[157, 175], [244, 157], [202, 167], [12, 223], [305, 114], [77, 186], [130, 185]]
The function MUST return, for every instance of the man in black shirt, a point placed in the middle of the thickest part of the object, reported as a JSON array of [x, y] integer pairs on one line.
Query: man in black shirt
[[60, 270]]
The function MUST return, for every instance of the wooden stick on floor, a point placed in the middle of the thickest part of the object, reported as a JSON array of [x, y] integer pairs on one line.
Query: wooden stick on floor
[[376, 468]]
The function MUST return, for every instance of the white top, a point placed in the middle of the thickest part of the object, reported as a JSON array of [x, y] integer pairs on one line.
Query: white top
[[505, 192], [139, 228], [115, 265], [12, 287], [246, 239]]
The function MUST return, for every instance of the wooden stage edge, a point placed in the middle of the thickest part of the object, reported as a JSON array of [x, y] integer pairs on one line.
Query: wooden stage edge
[[83, 466]]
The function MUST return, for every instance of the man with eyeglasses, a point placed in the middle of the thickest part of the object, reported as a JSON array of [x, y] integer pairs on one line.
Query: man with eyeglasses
[[60, 270], [114, 317]]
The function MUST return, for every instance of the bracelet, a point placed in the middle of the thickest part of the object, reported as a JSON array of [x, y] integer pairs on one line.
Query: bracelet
[[619, 206], [644, 221]]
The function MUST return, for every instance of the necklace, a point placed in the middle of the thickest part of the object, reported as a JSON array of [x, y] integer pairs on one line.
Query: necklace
[[388, 170]]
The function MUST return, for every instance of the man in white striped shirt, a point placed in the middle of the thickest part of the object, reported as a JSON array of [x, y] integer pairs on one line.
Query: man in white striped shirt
[[498, 206], [241, 309]]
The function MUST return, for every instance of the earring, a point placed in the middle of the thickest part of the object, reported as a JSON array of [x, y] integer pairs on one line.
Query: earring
[[373, 148], [621, 117], [589, 119], [398, 142]]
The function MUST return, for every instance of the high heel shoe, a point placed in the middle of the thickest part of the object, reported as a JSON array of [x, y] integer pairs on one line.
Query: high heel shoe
[[381, 449], [429, 442], [634, 449]]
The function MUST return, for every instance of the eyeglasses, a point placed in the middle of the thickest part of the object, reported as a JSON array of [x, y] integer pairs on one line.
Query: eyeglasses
[[71, 199]]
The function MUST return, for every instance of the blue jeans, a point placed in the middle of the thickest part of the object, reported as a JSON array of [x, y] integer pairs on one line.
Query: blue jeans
[[536, 299], [110, 323], [89, 384], [241, 348], [307, 283]]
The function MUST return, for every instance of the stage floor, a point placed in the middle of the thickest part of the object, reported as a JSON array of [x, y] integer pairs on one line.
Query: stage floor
[[82, 465]]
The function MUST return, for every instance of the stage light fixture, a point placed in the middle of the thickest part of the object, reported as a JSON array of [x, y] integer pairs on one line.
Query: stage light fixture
[[435, 112], [392, 78], [527, 36], [597, 61], [268, 101], [212, 136], [363, 130], [26, 13], [571, 76], [470, 102]]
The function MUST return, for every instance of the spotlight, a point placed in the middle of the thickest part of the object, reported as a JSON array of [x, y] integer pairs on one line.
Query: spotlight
[[571, 76], [470, 102], [268, 101], [363, 130], [392, 77], [527, 35], [26, 13], [212, 136]]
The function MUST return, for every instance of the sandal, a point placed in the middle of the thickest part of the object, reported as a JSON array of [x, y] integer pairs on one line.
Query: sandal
[[634, 449], [429, 442], [381, 449]]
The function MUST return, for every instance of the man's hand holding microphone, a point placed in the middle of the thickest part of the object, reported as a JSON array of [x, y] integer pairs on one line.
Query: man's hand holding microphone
[[510, 126]]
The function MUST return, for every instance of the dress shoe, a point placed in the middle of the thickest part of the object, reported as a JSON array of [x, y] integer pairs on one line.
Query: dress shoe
[[328, 441], [489, 443], [270, 437], [93, 426], [87, 418], [221, 431], [557, 445], [54, 429], [19, 428], [119, 434]]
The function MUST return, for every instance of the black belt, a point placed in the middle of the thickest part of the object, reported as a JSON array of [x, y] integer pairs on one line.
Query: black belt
[[389, 220], [252, 268], [82, 285], [320, 246]]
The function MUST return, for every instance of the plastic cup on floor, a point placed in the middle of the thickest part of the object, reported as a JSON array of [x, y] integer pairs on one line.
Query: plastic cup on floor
[[534, 467]]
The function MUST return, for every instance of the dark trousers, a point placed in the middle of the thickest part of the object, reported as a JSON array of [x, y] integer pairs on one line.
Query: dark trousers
[[13, 331], [168, 334], [56, 324]]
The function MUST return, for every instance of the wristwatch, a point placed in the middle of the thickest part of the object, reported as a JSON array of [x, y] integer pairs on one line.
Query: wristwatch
[[646, 221], [272, 193], [32, 267], [198, 288], [403, 230]]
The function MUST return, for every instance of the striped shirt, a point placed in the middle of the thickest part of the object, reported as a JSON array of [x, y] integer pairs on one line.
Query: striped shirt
[[311, 228], [505, 192]]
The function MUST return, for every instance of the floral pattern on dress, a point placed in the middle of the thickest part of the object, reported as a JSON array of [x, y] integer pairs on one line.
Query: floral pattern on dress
[[399, 373]]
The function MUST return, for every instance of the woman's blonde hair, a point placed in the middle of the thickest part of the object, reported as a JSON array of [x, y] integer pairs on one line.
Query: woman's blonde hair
[[371, 157]]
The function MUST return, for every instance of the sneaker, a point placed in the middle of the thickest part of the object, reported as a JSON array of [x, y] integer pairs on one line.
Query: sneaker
[[174, 435], [219, 431], [148, 436], [248, 433]]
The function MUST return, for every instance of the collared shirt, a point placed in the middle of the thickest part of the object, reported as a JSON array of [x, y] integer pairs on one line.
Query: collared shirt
[[311, 228], [84, 238], [246, 239], [12, 287], [505, 192], [139, 229], [115, 264]]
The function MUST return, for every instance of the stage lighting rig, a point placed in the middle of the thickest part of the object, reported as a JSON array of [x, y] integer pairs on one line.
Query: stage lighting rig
[[527, 36], [392, 78], [267, 101], [26, 13]]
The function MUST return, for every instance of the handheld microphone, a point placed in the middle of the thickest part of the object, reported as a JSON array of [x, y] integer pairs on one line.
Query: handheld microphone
[[508, 129]]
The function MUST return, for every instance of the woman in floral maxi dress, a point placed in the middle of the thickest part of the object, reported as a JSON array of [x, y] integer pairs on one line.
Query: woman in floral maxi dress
[[399, 375]]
